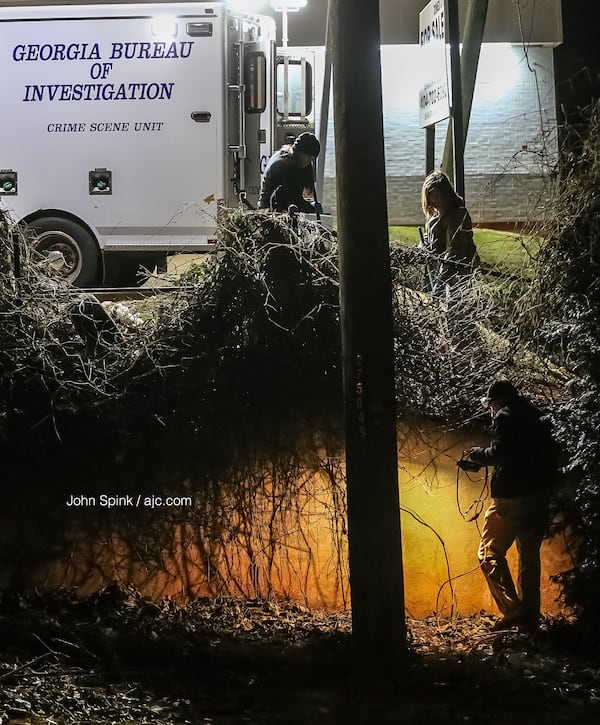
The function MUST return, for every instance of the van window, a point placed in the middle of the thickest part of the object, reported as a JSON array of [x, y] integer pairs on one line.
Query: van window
[[298, 99], [255, 80]]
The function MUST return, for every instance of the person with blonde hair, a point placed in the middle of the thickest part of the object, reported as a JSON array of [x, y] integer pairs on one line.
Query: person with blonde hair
[[448, 235]]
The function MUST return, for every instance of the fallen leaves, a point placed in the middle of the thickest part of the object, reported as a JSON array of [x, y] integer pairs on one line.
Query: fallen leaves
[[118, 658]]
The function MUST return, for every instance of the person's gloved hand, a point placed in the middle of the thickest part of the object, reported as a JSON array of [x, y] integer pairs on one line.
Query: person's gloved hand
[[475, 454]]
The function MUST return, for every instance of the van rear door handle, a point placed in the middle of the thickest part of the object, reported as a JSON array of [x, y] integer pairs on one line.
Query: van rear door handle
[[201, 116]]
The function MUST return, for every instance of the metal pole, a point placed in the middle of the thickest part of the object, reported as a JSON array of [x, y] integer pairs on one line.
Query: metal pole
[[325, 98], [456, 115], [469, 59], [472, 40], [429, 149], [16, 254], [284, 28]]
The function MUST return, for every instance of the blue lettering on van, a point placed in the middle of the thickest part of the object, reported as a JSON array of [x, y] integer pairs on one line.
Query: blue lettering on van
[[150, 51], [24, 52], [99, 92], [100, 71], [56, 51]]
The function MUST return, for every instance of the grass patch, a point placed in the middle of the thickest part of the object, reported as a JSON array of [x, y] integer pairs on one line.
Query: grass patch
[[506, 251], [404, 235]]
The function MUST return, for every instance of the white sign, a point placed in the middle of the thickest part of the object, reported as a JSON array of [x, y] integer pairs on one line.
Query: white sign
[[434, 103]]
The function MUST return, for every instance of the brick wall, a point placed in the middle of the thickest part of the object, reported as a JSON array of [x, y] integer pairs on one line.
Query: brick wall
[[511, 142]]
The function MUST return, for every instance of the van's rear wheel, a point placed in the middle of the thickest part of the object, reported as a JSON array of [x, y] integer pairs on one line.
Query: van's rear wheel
[[80, 255]]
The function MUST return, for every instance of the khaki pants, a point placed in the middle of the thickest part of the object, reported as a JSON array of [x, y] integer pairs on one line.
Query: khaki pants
[[507, 520]]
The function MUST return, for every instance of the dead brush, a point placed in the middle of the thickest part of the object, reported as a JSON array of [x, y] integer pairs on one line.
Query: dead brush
[[230, 391]]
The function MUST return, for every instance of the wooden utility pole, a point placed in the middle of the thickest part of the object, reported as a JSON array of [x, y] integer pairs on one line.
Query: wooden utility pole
[[376, 575]]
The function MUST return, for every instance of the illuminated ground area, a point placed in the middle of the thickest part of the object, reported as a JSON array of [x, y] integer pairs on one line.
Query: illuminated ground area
[[118, 658]]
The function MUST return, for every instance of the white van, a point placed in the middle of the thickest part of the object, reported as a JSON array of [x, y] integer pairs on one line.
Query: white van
[[126, 127]]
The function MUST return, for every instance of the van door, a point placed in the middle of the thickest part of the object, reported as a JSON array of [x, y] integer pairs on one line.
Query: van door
[[259, 114], [250, 107]]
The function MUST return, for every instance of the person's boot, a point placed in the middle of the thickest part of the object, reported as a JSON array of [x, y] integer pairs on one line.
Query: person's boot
[[510, 620]]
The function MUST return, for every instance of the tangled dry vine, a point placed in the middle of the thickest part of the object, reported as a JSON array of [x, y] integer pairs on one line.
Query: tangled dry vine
[[231, 388]]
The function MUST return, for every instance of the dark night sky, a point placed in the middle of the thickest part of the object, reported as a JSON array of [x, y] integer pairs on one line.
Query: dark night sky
[[578, 58]]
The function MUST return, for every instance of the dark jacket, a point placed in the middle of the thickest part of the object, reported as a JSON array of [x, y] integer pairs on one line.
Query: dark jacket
[[521, 450], [450, 239], [283, 183]]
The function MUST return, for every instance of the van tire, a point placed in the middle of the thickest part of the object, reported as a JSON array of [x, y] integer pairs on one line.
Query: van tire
[[77, 245]]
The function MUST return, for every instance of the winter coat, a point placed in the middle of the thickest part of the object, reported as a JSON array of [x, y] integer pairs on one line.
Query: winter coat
[[284, 182], [521, 450], [450, 238]]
